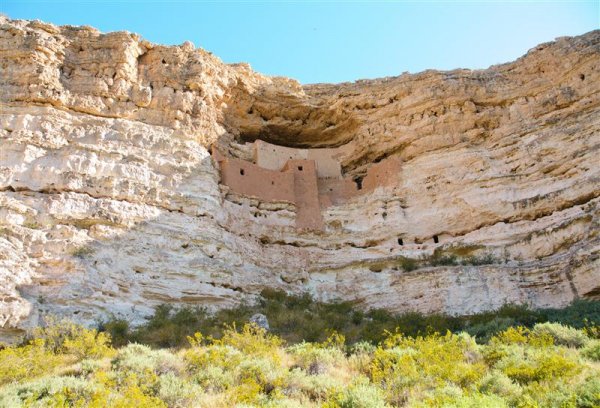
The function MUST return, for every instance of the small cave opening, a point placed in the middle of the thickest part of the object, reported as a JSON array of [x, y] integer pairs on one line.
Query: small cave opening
[[378, 159], [582, 77], [300, 168], [400, 242], [242, 172], [358, 181], [436, 239]]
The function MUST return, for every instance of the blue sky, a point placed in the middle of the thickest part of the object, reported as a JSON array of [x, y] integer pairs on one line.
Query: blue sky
[[334, 41]]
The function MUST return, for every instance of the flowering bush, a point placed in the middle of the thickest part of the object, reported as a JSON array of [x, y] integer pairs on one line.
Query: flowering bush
[[65, 365]]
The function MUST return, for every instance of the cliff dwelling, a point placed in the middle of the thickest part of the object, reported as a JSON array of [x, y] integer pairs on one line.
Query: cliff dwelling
[[442, 191], [311, 179], [178, 231]]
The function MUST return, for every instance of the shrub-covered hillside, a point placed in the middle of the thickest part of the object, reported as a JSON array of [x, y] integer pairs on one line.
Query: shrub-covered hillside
[[543, 365]]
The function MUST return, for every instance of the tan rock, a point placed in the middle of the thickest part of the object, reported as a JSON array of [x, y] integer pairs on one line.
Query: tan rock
[[111, 204]]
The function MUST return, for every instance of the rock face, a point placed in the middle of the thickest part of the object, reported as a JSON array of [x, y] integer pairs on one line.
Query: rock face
[[111, 203]]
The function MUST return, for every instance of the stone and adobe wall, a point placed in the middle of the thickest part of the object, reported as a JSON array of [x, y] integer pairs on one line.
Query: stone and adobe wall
[[296, 183], [251, 180], [308, 208], [327, 160], [311, 179], [336, 191], [384, 173]]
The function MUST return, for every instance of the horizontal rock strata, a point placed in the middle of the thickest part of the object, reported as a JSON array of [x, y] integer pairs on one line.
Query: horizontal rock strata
[[111, 203]]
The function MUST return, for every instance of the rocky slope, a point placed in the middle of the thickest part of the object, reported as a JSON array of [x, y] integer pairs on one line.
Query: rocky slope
[[110, 202]]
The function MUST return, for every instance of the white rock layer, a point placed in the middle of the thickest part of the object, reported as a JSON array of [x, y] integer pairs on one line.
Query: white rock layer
[[110, 203]]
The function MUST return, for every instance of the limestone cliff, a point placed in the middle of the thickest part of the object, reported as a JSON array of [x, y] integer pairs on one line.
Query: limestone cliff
[[110, 202]]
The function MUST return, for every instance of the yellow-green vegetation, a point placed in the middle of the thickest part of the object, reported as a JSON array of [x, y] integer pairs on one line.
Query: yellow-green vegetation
[[65, 365], [317, 354]]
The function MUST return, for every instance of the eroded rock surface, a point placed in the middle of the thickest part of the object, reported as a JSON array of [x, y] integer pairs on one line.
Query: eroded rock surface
[[110, 202]]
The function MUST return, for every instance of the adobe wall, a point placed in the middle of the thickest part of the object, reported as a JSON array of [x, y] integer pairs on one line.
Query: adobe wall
[[298, 180], [275, 157], [384, 173], [336, 191], [308, 208], [250, 180]]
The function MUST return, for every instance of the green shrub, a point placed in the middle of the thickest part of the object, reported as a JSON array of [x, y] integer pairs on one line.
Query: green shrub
[[215, 379], [433, 361], [460, 400], [314, 358], [527, 364], [300, 318], [558, 394], [168, 327], [562, 335], [66, 337], [362, 347], [48, 347], [139, 359], [50, 391], [131, 390], [90, 366], [358, 395], [264, 401], [592, 351], [485, 259], [522, 336], [251, 340], [588, 393], [361, 355], [592, 331], [119, 331], [262, 374], [27, 361], [224, 356], [484, 331], [579, 314], [441, 258], [408, 264], [176, 392], [498, 383], [513, 315]]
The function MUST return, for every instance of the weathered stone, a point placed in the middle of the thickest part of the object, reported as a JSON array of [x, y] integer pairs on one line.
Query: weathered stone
[[110, 203], [260, 320]]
